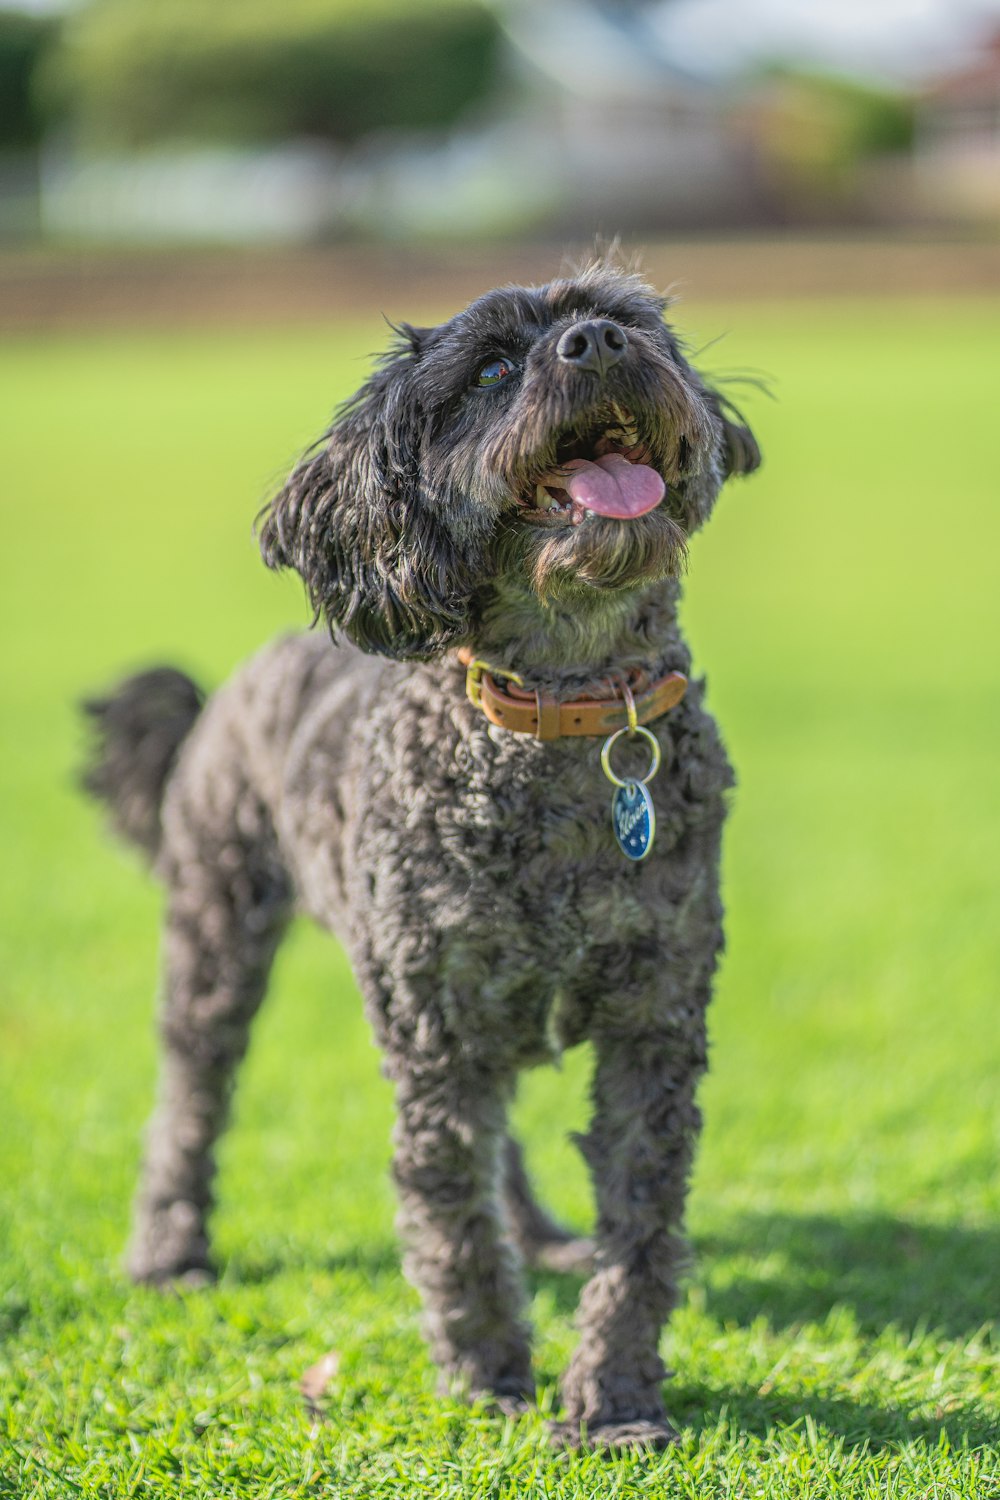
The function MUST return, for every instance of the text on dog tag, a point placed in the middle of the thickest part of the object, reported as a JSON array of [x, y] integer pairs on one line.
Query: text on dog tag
[[633, 819]]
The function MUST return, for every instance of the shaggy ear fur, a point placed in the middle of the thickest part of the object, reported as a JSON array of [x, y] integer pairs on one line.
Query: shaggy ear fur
[[735, 451], [352, 520], [740, 453]]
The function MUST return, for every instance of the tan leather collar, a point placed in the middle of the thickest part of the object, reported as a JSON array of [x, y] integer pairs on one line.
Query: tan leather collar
[[523, 710]]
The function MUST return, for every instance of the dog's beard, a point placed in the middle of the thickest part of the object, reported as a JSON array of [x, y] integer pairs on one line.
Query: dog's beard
[[601, 554]]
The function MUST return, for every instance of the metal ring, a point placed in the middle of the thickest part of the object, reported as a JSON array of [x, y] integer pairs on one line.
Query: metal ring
[[612, 740]]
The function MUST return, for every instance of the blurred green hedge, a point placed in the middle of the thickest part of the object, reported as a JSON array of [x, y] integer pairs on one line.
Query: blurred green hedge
[[138, 72], [24, 39]]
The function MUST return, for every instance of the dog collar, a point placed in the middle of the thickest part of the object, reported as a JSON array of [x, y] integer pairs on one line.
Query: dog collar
[[621, 702]]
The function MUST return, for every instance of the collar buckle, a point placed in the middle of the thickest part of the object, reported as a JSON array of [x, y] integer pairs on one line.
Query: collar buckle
[[474, 672]]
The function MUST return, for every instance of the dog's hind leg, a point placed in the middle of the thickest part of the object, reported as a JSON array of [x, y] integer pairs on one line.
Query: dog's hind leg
[[539, 1239], [228, 904]]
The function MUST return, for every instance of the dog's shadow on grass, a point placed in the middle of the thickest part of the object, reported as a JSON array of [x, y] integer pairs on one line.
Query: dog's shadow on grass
[[792, 1269], [859, 1423], [789, 1270]]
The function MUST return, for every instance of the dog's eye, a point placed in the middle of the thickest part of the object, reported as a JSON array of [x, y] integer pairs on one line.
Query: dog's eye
[[496, 371]]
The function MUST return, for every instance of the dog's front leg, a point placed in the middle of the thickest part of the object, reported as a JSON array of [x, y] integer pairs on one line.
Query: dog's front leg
[[448, 1159], [639, 1149]]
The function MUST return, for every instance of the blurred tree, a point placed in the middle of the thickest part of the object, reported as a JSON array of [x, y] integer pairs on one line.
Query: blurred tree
[[817, 130], [135, 72], [23, 41]]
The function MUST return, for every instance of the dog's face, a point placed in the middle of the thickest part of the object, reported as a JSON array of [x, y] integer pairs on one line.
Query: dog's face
[[553, 435]]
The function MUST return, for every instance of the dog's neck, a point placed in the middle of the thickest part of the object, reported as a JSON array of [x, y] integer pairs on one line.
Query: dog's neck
[[563, 645]]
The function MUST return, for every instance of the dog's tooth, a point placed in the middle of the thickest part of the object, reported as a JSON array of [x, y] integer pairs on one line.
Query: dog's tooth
[[543, 500]]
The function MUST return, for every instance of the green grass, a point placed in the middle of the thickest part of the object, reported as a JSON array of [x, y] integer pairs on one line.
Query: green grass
[[835, 1339]]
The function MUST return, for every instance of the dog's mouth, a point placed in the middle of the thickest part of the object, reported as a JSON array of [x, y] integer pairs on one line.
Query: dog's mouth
[[600, 470]]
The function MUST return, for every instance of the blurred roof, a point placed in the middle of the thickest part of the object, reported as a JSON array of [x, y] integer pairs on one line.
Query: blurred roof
[[968, 85]]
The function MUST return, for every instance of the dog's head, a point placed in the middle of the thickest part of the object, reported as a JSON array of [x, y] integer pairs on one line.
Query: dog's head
[[556, 434]]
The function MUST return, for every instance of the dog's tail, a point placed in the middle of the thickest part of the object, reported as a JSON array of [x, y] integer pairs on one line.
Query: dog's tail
[[137, 731]]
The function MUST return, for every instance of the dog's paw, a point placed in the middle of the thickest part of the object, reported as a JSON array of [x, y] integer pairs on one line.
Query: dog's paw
[[505, 1403], [654, 1433], [509, 1394], [180, 1277], [572, 1257], [170, 1246], [149, 1269]]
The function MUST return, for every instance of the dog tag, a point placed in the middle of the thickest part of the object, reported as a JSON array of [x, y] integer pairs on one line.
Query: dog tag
[[633, 817]]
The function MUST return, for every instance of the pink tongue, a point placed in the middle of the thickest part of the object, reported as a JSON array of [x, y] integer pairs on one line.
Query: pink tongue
[[611, 486]]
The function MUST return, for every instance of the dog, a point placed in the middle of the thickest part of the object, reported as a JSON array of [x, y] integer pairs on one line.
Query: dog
[[493, 529]]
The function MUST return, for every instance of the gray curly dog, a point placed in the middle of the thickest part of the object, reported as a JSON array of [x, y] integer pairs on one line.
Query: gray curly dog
[[515, 486]]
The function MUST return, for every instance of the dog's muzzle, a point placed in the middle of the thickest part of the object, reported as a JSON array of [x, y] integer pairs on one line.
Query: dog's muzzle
[[603, 474]]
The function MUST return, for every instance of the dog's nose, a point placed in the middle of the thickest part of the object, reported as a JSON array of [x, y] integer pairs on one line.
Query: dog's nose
[[595, 345]]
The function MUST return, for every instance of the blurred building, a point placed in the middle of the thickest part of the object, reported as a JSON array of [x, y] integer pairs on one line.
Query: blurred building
[[625, 133], [957, 151], [590, 123], [216, 194]]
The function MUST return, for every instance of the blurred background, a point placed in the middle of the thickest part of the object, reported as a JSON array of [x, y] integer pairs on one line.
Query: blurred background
[[309, 133]]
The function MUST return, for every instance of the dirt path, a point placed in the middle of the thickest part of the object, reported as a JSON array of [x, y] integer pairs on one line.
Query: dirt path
[[80, 290]]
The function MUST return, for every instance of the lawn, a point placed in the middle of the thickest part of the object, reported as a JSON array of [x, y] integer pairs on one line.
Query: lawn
[[836, 1336]]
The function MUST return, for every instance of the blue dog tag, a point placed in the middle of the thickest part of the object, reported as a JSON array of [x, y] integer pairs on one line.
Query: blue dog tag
[[633, 819]]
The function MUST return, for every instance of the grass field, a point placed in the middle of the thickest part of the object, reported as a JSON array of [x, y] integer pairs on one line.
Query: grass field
[[837, 1338]]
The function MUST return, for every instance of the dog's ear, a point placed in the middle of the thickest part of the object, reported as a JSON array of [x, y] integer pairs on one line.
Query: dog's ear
[[739, 451], [732, 449], [373, 550]]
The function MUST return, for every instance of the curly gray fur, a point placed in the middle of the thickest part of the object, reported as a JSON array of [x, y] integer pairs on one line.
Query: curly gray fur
[[471, 872]]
